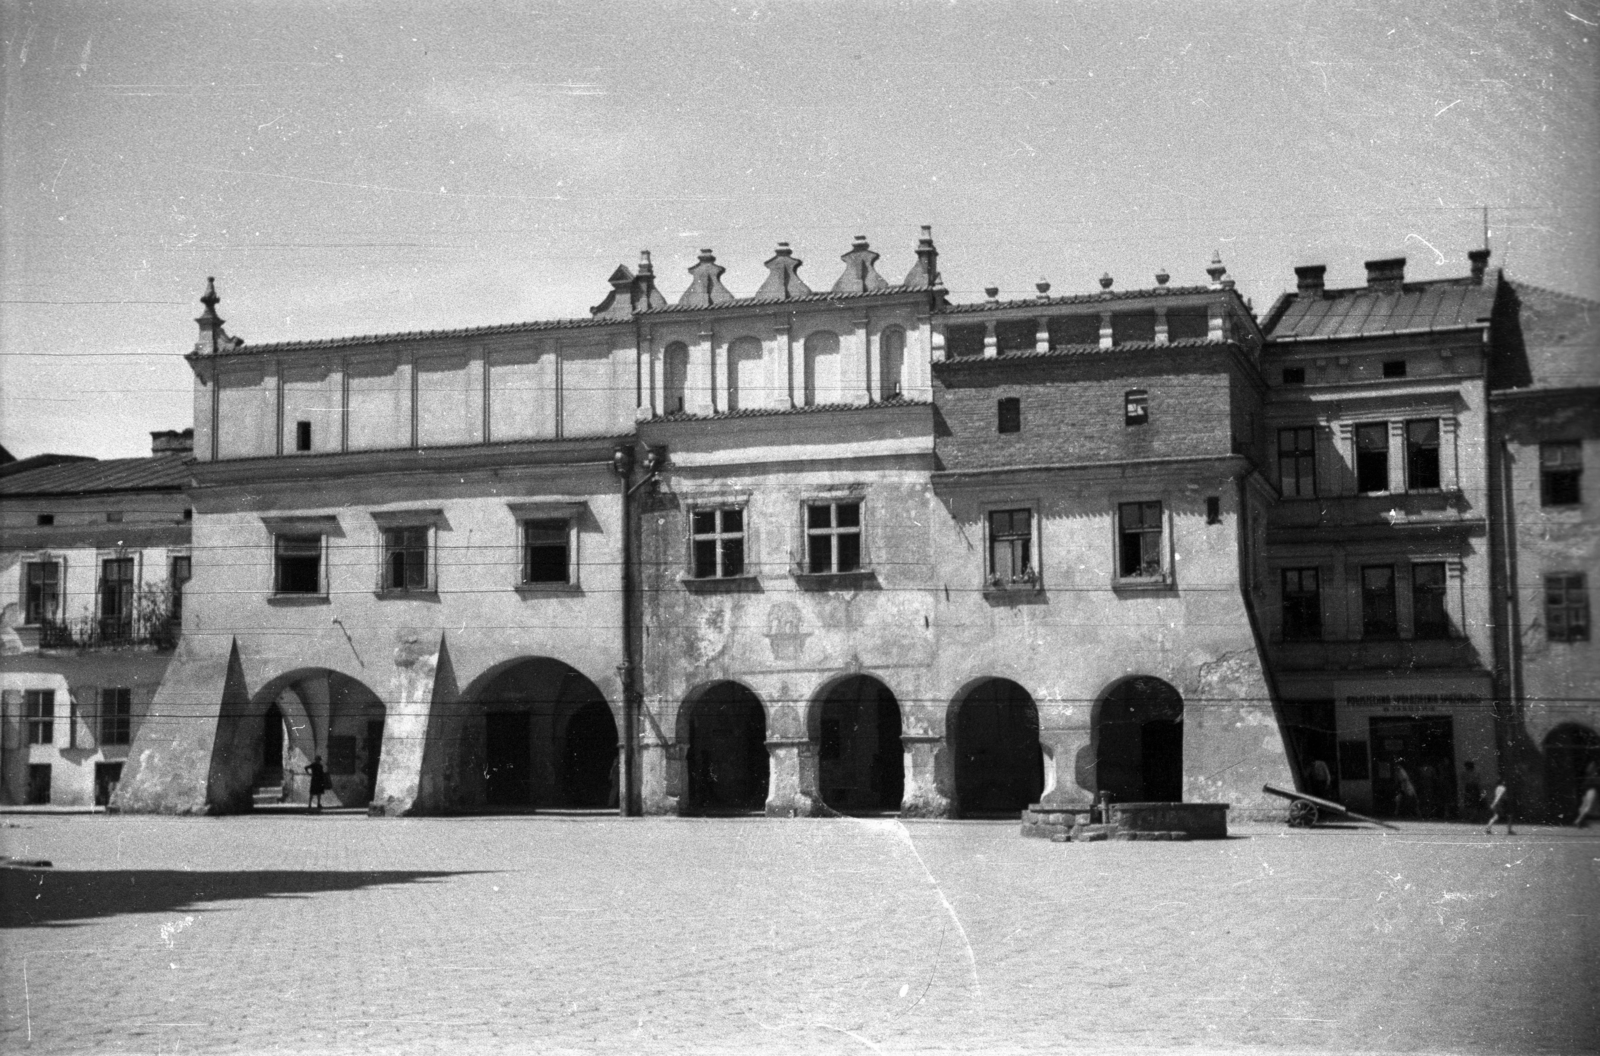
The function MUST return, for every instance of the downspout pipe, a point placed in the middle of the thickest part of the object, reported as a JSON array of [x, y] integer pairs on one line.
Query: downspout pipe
[[628, 777]]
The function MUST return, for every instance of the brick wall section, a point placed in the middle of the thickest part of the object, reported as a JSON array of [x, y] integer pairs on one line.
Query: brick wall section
[[1072, 407]]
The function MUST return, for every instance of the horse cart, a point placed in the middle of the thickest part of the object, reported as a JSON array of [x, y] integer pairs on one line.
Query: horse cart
[[1306, 810]]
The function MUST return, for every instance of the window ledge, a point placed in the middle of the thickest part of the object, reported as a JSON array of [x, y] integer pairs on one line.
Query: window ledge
[[292, 600], [1021, 593], [745, 584], [544, 590], [406, 595], [857, 579], [1143, 584]]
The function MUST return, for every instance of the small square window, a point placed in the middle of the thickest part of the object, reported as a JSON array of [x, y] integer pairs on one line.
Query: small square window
[[717, 542], [302, 436], [1136, 407], [547, 551], [45, 520], [1566, 607], [1010, 415], [1561, 473], [113, 516], [1394, 368], [297, 565], [1294, 375], [188, 513], [833, 537], [1139, 535], [405, 559]]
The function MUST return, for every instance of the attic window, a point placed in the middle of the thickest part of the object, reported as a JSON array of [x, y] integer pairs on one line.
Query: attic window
[[1294, 375], [45, 520], [1394, 368], [302, 436], [188, 513], [113, 516], [1010, 413], [1136, 407]]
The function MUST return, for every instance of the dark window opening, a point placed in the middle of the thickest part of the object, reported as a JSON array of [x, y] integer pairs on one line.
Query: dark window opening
[[1016, 335], [1566, 607], [833, 537], [1213, 510], [45, 520], [718, 543], [1394, 368], [116, 715], [675, 381], [182, 569], [1561, 473], [1187, 324], [1133, 326], [1422, 454], [116, 598], [1294, 375], [113, 516], [1066, 330], [1010, 413], [1372, 457], [405, 559], [302, 436], [962, 342], [1377, 602], [41, 715], [1302, 604], [1297, 462], [43, 599], [1139, 531], [299, 564], [188, 513], [38, 784], [1136, 407], [546, 556], [1010, 547], [1430, 616]]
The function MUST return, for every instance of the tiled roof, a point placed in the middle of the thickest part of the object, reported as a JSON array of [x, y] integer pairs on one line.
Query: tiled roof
[[1061, 351], [1077, 298], [1556, 344], [767, 412], [420, 335], [162, 472], [1366, 312]]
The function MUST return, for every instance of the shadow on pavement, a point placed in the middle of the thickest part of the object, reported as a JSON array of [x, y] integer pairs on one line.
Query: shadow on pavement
[[54, 897]]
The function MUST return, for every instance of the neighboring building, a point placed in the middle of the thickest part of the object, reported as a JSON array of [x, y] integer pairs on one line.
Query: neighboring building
[[1544, 429], [93, 567], [1378, 548]]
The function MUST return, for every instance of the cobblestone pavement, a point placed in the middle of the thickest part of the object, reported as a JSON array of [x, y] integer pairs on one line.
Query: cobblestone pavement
[[597, 934]]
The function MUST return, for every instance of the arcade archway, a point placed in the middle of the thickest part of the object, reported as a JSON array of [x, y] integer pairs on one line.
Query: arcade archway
[[725, 728], [312, 713], [1138, 739], [549, 738], [994, 735], [861, 762], [1569, 750]]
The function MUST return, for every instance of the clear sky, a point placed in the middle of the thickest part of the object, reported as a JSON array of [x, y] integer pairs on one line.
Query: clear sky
[[350, 167]]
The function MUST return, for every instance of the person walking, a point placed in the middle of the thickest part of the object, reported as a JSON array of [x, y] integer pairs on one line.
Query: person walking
[[1405, 796], [1500, 808], [1588, 808], [1471, 791], [319, 783]]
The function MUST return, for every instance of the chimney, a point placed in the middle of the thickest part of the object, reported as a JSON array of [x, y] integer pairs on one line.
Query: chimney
[[1386, 274], [1480, 264], [172, 442], [1309, 277]]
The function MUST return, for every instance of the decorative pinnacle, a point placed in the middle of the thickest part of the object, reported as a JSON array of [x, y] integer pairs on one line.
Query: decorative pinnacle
[[992, 292], [210, 298], [1106, 280], [645, 267], [1162, 277], [1043, 287], [1217, 268]]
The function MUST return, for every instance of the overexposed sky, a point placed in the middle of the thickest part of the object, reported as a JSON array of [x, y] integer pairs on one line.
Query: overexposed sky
[[360, 167]]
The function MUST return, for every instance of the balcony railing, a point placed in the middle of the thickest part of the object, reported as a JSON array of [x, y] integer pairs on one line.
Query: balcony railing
[[103, 632]]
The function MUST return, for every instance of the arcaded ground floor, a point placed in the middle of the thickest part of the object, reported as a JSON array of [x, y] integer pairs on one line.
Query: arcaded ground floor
[[284, 933]]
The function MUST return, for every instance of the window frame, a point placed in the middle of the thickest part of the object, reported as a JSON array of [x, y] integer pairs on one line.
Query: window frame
[[1162, 530], [1371, 428], [1300, 629], [717, 537], [39, 717], [1415, 451], [834, 533], [1008, 415], [556, 524], [114, 722], [115, 597], [1372, 630], [176, 585], [1301, 458], [1026, 578], [1136, 407], [1443, 628], [283, 541], [1560, 471], [1573, 588], [29, 610]]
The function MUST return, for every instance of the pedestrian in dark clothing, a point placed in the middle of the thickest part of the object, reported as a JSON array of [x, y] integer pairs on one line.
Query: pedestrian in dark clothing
[[1500, 809], [319, 783]]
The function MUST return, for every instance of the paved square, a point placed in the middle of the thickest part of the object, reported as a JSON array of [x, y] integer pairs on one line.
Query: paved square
[[597, 934]]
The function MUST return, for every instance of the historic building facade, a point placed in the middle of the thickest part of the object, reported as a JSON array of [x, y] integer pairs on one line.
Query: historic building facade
[[93, 572]]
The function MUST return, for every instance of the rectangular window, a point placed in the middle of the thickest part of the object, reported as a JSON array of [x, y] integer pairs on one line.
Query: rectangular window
[[405, 559], [116, 598], [1139, 539], [182, 570], [833, 537], [1394, 368], [1561, 473], [547, 551], [1377, 602], [43, 598], [1430, 616], [1136, 407], [298, 567], [1294, 375], [41, 715], [302, 436], [1011, 547], [1566, 607], [38, 784], [1010, 414], [718, 542], [1302, 605], [1422, 455], [1297, 462], [1372, 457], [116, 715], [45, 520]]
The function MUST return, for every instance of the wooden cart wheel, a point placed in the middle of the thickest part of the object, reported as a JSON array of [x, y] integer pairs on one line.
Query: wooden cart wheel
[[1302, 814]]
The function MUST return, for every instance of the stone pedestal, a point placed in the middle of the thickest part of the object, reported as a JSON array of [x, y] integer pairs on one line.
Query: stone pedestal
[[922, 798], [1061, 748], [792, 789]]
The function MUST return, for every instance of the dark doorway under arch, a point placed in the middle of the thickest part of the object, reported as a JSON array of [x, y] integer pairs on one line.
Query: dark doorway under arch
[[1138, 735], [995, 738], [1569, 749], [728, 766], [549, 738], [861, 762], [270, 768]]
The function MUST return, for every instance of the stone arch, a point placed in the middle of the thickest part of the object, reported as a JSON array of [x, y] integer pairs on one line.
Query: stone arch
[[674, 377], [538, 733], [323, 713], [1569, 750], [727, 769], [856, 723], [824, 368], [993, 731], [1137, 735], [891, 362]]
